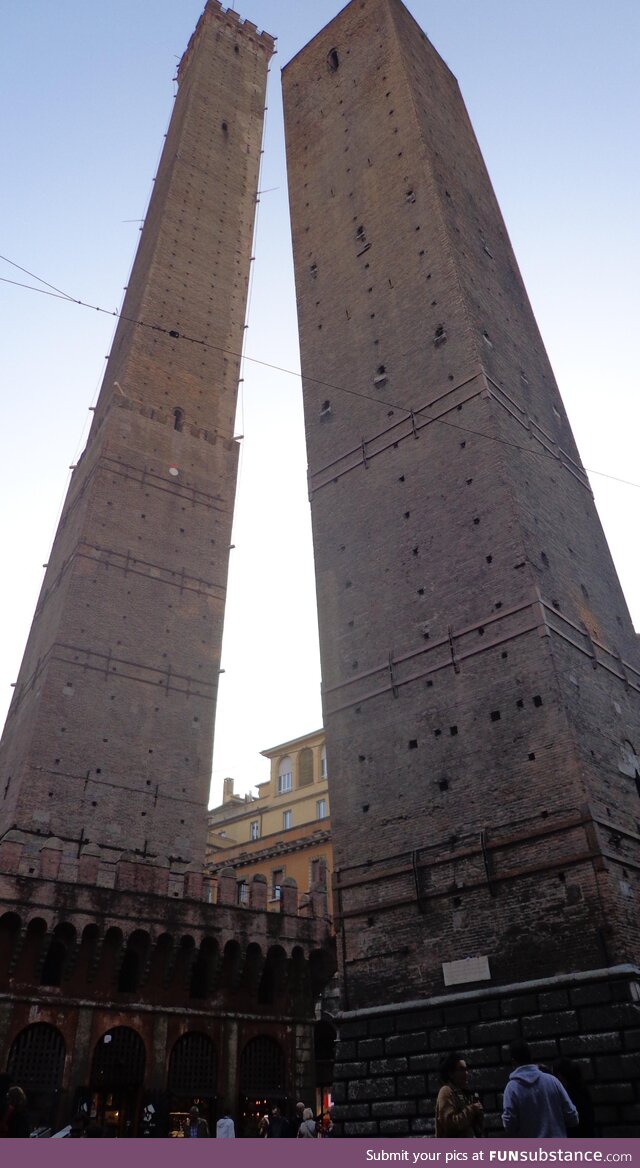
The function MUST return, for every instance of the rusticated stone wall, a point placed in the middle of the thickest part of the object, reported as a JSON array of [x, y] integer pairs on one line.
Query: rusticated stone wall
[[386, 1073]]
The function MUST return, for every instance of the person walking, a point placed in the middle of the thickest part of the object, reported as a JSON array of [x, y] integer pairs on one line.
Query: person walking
[[307, 1129], [225, 1127], [16, 1121], [196, 1127], [278, 1125], [300, 1108], [459, 1112], [535, 1103], [570, 1076]]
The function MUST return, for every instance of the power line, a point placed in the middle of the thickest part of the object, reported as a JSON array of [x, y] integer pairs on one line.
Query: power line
[[57, 294]]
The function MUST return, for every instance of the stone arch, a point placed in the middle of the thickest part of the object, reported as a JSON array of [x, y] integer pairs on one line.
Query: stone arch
[[204, 969], [31, 951], [119, 1059], [184, 956], [57, 955], [262, 1080], [36, 1063], [231, 965], [37, 1055], [160, 961], [253, 965], [274, 975], [109, 958], [134, 960], [116, 1079], [10, 925]]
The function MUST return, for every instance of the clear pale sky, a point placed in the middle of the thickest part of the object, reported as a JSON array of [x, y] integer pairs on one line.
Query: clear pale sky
[[86, 90]]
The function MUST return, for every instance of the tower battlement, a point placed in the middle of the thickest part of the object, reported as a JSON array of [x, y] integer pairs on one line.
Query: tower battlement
[[229, 22]]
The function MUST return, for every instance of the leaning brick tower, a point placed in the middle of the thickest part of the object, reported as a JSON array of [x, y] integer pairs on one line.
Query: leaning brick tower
[[481, 673], [109, 735], [132, 984]]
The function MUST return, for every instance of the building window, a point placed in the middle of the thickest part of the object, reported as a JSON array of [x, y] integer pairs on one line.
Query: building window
[[305, 767], [254, 829], [323, 763], [321, 809], [287, 820], [243, 892], [318, 870], [277, 876], [285, 776]]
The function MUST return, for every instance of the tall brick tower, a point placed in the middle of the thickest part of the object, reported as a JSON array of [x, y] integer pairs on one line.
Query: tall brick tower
[[110, 732], [480, 670], [133, 985]]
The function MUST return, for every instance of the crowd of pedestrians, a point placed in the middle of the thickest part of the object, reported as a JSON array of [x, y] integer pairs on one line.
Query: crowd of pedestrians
[[303, 1126], [538, 1102]]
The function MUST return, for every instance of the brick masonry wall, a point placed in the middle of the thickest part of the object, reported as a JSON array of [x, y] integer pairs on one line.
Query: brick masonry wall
[[84, 958], [386, 1074], [464, 584]]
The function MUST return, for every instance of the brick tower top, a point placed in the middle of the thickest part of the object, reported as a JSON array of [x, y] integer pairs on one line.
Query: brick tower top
[[228, 20]]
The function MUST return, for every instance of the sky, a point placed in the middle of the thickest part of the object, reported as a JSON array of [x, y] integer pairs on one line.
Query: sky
[[86, 89]]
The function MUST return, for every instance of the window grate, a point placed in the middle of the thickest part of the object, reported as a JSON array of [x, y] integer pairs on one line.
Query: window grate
[[262, 1068], [36, 1059], [193, 1066]]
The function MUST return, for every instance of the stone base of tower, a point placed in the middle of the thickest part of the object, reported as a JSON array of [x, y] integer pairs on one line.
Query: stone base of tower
[[386, 1069]]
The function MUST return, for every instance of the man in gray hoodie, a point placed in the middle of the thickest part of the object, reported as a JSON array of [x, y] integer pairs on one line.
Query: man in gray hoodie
[[535, 1104]]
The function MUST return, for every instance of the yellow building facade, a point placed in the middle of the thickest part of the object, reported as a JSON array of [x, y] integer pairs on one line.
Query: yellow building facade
[[284, 830]]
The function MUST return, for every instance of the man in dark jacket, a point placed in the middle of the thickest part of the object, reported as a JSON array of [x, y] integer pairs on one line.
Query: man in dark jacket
[[535, 1104], [195, 1127], [278, 1125]]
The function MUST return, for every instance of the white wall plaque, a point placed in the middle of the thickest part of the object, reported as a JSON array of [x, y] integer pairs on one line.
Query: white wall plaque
[[471, 969]]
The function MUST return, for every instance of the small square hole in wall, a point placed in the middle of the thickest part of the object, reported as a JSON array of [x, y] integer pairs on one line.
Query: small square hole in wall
[[453, 730], [531, 756], [443, 784], [413, 744], [495, 715], [537, 701]]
